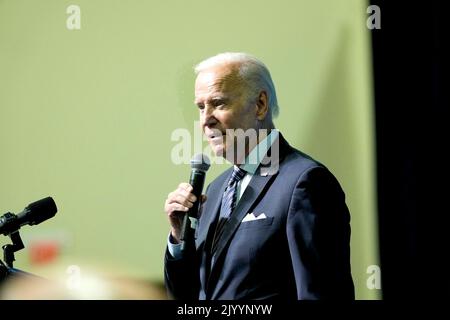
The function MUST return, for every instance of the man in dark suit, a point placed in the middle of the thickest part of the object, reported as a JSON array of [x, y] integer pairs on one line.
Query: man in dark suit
[[275, 225]]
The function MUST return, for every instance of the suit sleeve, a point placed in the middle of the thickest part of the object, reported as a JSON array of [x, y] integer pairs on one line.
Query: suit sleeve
[[318, 232], [182, 276]]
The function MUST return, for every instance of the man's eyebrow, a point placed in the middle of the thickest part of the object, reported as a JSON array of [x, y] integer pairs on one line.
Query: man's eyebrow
[[217, 98]]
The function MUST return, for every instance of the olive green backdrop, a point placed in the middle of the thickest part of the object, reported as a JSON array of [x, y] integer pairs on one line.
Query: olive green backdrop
[[86, 116]]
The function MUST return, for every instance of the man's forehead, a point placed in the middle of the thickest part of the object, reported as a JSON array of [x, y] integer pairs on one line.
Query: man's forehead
[[217, 79], [209, 80]]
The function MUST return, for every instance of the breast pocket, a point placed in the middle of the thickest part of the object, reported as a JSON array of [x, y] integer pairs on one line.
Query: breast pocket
[[256, 224]]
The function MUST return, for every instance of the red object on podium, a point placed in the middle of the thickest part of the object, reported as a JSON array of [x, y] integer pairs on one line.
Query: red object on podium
[[44, 251]]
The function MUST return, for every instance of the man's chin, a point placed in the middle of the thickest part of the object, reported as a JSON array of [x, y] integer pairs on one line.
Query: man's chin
[[231, 157], [218, 150], [221, 151]]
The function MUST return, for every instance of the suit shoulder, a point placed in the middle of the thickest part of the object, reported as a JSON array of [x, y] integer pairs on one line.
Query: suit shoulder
[[299, 165], [301, 162]]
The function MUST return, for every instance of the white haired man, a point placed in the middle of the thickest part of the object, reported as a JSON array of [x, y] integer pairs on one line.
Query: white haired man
[[275, 225]]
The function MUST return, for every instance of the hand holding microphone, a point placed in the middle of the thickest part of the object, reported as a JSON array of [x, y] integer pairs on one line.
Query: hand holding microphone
[[177, 205], [182, 205]]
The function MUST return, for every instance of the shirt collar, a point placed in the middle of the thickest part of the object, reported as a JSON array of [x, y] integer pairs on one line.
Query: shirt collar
[[258, 153]]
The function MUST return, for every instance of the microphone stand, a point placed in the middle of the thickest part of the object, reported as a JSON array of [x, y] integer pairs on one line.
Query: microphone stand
[[9, 249], [10, 224], [7, 268]]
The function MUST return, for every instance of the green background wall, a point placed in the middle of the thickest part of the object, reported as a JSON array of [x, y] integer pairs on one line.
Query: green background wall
[[86, 116]]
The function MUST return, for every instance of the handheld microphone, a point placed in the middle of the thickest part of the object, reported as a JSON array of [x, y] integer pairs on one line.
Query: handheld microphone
[[33, 214], [199, 165]]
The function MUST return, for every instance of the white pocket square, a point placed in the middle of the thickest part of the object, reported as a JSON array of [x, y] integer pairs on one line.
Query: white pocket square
[[251, 216]]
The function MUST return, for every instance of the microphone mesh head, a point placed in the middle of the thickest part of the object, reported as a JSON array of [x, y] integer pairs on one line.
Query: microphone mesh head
[[41, 210], [200, 162]]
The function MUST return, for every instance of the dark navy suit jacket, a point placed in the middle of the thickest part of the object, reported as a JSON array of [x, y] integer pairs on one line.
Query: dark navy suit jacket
[[300, 251]]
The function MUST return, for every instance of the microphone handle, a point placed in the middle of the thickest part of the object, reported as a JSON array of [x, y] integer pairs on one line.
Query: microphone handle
[[197, 181]]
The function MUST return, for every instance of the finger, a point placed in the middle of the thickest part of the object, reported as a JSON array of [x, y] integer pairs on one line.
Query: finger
[[181, 197], [175, 208], [182, 200], [170, 205], [203, 198], [186, 186], [187, 194]]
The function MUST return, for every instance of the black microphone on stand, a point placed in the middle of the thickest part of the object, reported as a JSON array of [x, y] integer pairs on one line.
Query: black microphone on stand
[[199, 165], [33, 214], [10, 223]]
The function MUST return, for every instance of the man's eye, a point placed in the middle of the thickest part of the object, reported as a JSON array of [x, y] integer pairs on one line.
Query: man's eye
[[219, 103]]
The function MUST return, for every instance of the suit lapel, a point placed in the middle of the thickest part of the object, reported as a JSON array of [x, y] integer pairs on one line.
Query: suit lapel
[[210, 212], [254, 191], [207, 227], [257, 188]]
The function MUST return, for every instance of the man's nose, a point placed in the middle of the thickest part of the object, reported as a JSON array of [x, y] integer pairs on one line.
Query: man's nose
[[207, 116]]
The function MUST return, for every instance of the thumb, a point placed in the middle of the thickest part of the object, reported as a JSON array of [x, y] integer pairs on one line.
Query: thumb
[[203, 198]]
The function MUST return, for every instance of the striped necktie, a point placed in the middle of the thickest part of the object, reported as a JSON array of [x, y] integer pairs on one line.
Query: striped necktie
[[228, 202], [230, 194]]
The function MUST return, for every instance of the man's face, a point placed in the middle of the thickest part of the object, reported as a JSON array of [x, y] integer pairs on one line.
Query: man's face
[[224, 103]]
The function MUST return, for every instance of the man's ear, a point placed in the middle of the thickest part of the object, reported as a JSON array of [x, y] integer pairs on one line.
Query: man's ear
[[262, 106]]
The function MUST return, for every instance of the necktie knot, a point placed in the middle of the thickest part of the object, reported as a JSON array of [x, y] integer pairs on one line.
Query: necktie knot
[[237, 175], [229, 196]]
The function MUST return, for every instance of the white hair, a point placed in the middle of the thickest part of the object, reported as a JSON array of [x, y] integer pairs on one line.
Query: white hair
[[253, 71]]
